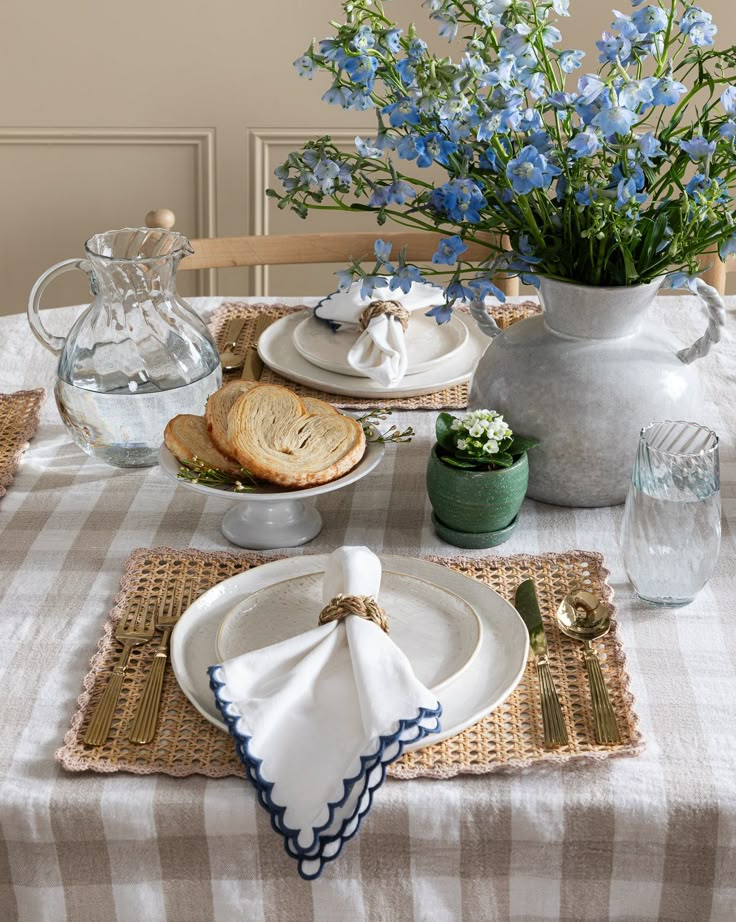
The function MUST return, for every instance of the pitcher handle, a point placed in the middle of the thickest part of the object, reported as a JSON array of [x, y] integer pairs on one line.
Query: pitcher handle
[[485, 322], [53, 343], [716, 311]]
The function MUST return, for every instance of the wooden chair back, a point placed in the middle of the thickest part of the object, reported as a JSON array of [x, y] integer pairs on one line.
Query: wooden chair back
[[301, 249]]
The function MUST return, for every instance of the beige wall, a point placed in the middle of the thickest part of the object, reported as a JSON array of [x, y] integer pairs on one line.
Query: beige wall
[[109, 110]]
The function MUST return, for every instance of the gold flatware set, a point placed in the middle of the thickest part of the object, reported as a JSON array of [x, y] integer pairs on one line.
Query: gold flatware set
[[137, 626], [581, 616], [247, 362]]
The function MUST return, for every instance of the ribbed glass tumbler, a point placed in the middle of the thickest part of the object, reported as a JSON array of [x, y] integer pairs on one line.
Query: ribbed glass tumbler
[[672, 522]]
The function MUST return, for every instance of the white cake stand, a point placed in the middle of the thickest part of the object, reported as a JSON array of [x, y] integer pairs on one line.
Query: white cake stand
[[272, 516]]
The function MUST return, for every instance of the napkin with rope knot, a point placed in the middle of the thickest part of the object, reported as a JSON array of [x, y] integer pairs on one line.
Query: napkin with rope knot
[[383, 319], [318, 717]]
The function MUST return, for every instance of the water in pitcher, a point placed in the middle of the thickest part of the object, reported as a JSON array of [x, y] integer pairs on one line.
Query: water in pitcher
[[126, 428]]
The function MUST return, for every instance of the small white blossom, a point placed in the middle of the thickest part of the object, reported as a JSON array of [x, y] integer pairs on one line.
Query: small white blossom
[[456, 424], [491, 447], [476, 430], [461, 444]]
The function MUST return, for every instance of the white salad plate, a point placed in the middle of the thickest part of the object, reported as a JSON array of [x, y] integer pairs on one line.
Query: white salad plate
[[489, 678], [438, 631], [427, 343], [277, 350], [272, 516]]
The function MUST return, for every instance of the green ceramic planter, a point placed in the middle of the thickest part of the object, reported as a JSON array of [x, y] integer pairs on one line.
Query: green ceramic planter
[[482, 505]]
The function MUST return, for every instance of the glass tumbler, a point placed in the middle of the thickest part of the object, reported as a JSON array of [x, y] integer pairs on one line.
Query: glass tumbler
[[672, 522]]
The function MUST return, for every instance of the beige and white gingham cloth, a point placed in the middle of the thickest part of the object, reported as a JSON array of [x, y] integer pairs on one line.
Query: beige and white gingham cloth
[[629, 839]]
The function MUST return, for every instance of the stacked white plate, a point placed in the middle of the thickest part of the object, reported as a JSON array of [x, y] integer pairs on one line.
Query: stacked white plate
[[464, 641], [306, 350]]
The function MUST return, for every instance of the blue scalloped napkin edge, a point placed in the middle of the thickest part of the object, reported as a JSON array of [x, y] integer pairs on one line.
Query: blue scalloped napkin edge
[[313, 853]]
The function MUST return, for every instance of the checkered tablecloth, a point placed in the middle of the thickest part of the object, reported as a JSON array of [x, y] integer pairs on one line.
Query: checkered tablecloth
[[635, 839]]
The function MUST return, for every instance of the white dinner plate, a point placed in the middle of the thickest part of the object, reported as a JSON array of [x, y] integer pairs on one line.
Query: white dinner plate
[[427, 343], [437, 630], [277, 350], [494, 672]]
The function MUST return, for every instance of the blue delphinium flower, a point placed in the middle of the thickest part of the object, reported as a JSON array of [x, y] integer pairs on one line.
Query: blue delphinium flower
[[304, 66], [650, 19], [627, 196], [392, 40], [382, 251], [530, 170], [367, 148], [337, 96], [585, 144], [448, 251], [728, 101], [482, 287], [615, 120], [698, 148], [681, 280], [667, 92], [442, 313], [363, 40], [569, 60], [636, 93], [728, 130], [404, 277], [399, 193], [332, 50], [728, 247], [433, 147], [344, 279], [362, 69], [456, 291], [613, 47], [561, 7], [698, 26], [649, 147], [407, 148], [370, 283], [402, 112]]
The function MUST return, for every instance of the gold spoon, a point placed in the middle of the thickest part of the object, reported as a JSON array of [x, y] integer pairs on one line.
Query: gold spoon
[[229, 358], [585, 617]]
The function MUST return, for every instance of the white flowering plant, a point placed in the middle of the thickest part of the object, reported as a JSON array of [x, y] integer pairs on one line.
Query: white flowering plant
[[480, 440]]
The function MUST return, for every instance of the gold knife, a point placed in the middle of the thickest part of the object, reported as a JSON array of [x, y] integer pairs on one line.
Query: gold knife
[[553, 721], [253, 366]]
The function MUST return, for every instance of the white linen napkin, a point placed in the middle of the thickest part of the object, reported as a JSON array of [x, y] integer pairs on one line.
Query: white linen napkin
[[380, 350], [318, 717]]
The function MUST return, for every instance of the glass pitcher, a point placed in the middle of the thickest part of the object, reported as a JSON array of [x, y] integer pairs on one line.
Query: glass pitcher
[[138, 356]]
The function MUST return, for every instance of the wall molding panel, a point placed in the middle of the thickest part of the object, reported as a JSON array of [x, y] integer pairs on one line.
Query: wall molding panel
[[202, 140], [260, 176]]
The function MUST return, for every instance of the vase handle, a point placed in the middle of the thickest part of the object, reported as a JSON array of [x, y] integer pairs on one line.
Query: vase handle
[[484, 320], [716, 310]]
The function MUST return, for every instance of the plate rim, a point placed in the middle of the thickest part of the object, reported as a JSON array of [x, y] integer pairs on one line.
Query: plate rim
[[467, 721], [434, 688], [372, 457], [346, 386], [454, 324]]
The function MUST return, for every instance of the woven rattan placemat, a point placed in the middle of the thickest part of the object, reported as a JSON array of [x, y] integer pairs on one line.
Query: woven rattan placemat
[[509, 739], [452, 398], [18, 422]]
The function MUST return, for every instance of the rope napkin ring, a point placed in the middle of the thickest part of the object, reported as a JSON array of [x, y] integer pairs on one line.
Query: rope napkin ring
[[364, 606], [390, 308]]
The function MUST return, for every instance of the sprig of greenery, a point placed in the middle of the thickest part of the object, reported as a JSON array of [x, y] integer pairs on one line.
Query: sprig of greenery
[[370, 422], [197, 471]]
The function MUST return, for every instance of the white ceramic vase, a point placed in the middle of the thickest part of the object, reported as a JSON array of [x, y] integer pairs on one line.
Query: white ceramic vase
[[584, 377]]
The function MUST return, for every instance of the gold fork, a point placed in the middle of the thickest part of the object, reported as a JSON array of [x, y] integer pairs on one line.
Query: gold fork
[[144, 724], [135, 627]]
